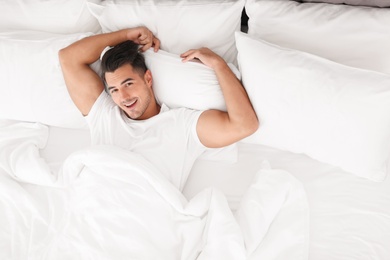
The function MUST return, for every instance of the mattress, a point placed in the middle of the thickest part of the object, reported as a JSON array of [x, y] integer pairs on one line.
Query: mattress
[[349, 216]]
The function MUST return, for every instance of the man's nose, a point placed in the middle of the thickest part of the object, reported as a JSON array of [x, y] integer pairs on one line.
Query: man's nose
[[124, 94]]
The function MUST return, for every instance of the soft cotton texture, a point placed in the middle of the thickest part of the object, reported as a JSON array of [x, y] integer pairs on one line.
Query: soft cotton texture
[[107, 202], [60, 16], [33, 87], [190, 84], [306, 104], [180, 25], [351, 35]]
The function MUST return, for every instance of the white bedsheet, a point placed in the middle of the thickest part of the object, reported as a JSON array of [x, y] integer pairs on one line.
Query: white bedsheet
[[349, 216], [107, 203]]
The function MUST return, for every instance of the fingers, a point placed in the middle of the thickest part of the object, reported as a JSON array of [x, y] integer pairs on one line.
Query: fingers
[[189, 55], [204, 55], [146, 47], [201, 55], [154, 41], [147, 39]]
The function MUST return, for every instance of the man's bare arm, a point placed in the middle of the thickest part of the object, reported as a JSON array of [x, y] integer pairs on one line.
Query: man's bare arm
[[83, 84], [217, 128]]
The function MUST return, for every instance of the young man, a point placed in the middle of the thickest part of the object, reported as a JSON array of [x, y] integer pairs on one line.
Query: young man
[[129, 116]]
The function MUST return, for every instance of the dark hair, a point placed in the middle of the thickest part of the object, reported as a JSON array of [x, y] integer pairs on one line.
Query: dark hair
[[121, 54]]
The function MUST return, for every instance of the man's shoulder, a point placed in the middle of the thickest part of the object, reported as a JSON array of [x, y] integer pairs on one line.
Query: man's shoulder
[[179, 111], [103, 107]]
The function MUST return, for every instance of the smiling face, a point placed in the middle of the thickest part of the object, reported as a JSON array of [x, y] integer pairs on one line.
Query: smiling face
[[132, 92]]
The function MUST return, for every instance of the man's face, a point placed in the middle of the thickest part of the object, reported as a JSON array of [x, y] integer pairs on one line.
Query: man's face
[[131, 91]]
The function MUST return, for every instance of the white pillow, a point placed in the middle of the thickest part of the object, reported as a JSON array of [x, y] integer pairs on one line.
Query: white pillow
[[351, 35], [190, 84], [33, 88], [60, 16], [375, 3], [307, 104], [180, 25]]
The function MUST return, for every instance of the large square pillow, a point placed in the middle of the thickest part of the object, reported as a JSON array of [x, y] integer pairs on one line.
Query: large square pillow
[[352, 35], [191, 84], [59, 16], [180, 25], [33, 88], [307, 104]]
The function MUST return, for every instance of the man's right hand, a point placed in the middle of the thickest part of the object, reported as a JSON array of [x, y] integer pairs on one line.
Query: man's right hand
[[143, 36]]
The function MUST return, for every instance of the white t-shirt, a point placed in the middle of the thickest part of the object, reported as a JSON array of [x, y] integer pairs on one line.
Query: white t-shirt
[[168, 140]]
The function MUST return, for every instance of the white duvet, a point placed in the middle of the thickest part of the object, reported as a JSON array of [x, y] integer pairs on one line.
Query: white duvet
[[108, 203]]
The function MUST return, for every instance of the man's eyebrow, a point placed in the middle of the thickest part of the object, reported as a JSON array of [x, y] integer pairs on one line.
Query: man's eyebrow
[[128, 79]]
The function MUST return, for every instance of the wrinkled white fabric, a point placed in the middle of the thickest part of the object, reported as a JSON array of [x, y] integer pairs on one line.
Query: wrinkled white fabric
[[274, 214], [109, 203]]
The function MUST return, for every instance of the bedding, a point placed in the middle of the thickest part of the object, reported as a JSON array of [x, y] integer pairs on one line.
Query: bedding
[[41, 92], [308, 104], [60, 16], [173, 21], [351, 35], [196, 84], [349, 216], [61, 198], [144, 216]]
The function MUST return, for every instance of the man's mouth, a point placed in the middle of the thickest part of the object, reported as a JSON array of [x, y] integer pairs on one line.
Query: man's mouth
[[130, 104]]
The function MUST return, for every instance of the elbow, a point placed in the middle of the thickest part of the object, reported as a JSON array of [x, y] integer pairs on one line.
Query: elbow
[[250, 126], [62, 56], [66, 56], [253, 126], [250, 122]]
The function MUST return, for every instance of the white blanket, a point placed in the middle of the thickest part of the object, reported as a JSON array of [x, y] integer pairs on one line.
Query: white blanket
[[108, 203]]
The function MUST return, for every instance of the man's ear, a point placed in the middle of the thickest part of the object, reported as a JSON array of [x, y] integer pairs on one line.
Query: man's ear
[[148, 78]]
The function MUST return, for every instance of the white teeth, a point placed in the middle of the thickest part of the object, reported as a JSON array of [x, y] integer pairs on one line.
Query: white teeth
[[127, 104]]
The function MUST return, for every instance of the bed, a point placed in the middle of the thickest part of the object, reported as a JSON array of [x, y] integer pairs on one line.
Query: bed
[[311, 183]]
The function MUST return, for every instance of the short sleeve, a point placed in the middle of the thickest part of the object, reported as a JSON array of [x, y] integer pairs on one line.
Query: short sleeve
[[98, 119], [228, 154]]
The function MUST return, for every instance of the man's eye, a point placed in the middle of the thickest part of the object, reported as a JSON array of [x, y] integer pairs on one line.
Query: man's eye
[[113, 90], [128, 84]]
